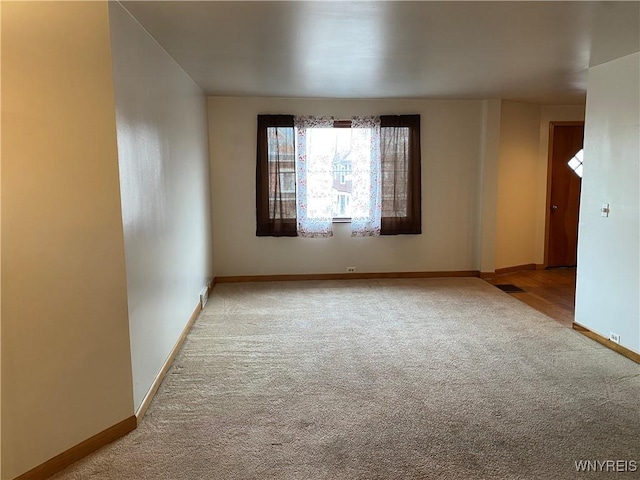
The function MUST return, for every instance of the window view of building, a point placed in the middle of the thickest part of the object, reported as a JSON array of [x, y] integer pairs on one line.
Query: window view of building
[[282, 171], [395, 171], [308, 175], [341, 166], [333, 146]]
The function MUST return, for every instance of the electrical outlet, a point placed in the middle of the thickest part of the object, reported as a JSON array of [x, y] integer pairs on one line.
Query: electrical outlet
[[614, 337], [351, 269]]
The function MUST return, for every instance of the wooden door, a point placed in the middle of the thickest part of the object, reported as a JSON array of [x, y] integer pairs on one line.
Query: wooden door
[[565, 141]]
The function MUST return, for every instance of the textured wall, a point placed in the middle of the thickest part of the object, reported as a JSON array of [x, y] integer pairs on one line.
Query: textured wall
[[488, 180], [164, 173]]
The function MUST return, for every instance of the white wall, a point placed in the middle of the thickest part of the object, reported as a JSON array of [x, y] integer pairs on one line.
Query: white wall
[[514, 180], [516, 185], [164, 173], [488, 178], [608, 284], [66, 371], [450, 168]]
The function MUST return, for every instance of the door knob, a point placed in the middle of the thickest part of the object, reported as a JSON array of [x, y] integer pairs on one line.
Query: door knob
[[554, 208]]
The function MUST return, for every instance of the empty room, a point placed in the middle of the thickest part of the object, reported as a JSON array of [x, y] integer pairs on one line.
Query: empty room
[[319, 240]]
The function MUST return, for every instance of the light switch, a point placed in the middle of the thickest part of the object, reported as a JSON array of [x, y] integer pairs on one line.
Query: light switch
[[604, 210]]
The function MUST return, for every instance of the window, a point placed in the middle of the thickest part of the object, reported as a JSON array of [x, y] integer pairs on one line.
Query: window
[[275, 177], [576, 163], [341, 206], [400, 181], [338, 150], [401, 176]]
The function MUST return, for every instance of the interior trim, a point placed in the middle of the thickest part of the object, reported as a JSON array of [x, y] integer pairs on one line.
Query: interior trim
[[547, 217], [81, 450], [630, 354], [343, 276]]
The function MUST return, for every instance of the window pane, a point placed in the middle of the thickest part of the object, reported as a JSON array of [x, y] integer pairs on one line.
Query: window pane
[[282, 175], [394, 145], [330, 155], [275, 211], [576, 163], [401, 178]]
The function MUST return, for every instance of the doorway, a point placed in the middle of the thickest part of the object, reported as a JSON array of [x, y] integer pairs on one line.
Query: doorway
[[563, 194]]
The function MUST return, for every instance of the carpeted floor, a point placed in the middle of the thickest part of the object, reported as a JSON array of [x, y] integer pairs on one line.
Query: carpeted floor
[[380, 379]]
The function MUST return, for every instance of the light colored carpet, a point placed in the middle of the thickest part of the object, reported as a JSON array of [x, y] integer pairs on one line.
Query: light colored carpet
[[381, 379]]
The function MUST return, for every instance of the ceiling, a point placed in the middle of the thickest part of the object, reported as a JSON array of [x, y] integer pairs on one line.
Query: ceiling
[[527, 51]]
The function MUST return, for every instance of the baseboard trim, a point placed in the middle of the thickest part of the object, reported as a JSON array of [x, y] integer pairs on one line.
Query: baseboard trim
[[516, 268], [343, 276], [540, 266], [81, 450], [72, 455], [630, 354], [167, 364]]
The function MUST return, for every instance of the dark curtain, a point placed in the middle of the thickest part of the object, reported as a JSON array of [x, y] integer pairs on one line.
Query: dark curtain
[[400, 160], [275, 177]]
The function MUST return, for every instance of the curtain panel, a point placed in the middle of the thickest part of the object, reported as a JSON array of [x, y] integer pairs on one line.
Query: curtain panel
[[275, 177], [401, 176], [366, 177], [314, 176]]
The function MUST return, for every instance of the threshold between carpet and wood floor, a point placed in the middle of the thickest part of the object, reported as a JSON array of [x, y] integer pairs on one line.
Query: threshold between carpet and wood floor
[[445, 378]]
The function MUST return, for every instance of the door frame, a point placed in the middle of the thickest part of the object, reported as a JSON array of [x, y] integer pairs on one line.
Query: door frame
[[547, 214]]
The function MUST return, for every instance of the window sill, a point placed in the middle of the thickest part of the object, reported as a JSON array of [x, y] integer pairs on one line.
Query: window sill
[[341, 220]]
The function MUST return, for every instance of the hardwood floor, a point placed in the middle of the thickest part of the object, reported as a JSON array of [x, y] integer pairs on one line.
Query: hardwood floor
[[552, 291]]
